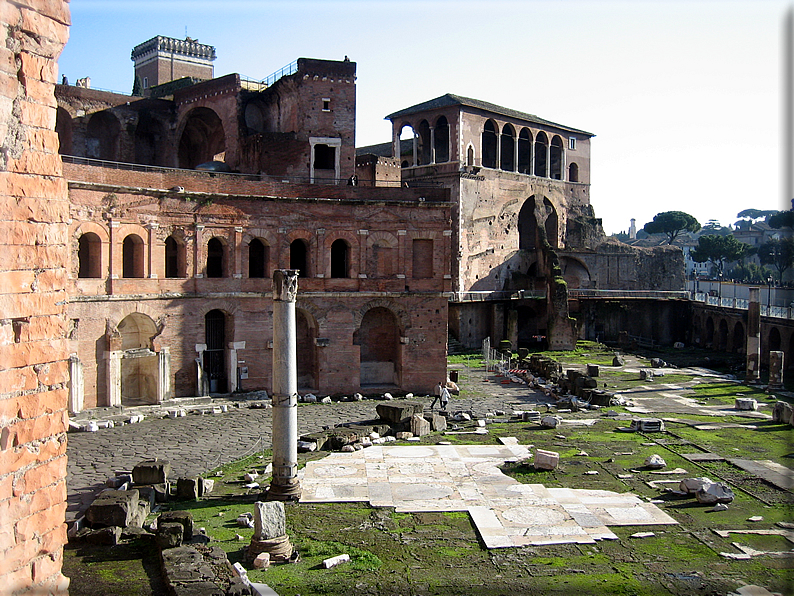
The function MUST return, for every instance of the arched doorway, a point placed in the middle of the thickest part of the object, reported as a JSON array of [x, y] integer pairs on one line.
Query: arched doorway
[[102, 137], [215, 354], [774, 340], [527, 226], [738, 338], [139, 362], [306, 333], [379, 340], [203, 138]]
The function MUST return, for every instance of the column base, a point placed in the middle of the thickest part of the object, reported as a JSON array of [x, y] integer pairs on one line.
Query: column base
[[284, 492]]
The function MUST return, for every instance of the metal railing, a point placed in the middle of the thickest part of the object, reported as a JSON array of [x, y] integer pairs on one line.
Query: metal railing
[[653, 294], [779, 312], [261, 85], [496, 295]]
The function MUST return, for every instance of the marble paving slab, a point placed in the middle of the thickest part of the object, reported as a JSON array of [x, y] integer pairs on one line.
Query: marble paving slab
[[468, 478]]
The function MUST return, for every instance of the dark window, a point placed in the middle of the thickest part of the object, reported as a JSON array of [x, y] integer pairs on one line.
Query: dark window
[[215, 258], [257, 258], [340, 259], [423, 139], [489, 145], [541, 147], [174, 258], [214, 361], [298, 257], [442, 140], [556, 154], [324, 157], [508, 149], [89, 255], [573, 172], [524, 151], [132, 256]]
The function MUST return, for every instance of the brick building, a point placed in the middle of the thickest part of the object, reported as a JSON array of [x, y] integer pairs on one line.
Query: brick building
[[169, 272], [160, 60], [522, 226], [33, 350]]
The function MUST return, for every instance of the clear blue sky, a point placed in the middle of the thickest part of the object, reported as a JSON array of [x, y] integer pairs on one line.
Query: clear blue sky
[[685, 98]]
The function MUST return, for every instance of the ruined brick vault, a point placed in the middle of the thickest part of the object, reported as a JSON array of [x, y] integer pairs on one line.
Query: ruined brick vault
[[184, 200]]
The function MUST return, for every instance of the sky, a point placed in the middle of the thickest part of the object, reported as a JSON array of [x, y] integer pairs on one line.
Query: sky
[[685, 97]]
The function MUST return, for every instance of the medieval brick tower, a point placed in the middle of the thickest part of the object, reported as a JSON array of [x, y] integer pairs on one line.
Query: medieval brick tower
[[163, 59]]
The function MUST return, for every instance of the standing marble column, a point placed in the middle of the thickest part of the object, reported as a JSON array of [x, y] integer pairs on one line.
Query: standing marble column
[[753, 336], [285, 485]]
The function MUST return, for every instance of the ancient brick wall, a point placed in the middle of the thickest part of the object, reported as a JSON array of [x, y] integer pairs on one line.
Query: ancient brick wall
[[33, 368]]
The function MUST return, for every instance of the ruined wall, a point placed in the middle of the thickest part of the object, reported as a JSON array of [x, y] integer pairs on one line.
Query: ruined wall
[[378, 226], [33, 368]]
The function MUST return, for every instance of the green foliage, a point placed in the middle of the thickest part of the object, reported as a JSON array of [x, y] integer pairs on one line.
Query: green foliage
[[672, 223], [778, 253], [781, 219], [718, 250], [137, 87]]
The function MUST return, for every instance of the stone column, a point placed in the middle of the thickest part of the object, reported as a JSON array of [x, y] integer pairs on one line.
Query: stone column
[[776, 360], [114, 377], [163, 375], [753, 336], [232, 363], [76, 385], [202, 382], [285, 485]]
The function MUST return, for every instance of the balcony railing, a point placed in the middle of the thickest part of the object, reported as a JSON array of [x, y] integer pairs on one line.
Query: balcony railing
[[779, 312]]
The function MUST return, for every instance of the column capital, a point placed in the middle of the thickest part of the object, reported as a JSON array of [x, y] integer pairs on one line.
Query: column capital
[[285, 285]]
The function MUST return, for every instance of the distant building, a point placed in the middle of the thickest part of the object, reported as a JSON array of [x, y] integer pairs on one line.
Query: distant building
[[164, 59]]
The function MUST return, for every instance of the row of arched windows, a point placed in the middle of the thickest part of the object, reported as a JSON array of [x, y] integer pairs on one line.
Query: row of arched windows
[[89, 256]]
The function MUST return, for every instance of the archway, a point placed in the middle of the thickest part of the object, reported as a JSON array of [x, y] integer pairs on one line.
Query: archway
[[203, 138], [132, 256], [527, 226], [175, 265], [774, 342], [442, 140], [258, 257], [89, 256], [551, 224], [573, 172], [340, 258], [216, 257], [423, 138], [541, 157], [379, 340], [306, 334], [299, 257], [148, 138], [507, 149], [102, 136], [722, 338], [524, 151], [489, 141], [738, 338], [63, 126], [139, 364], [556, 153]]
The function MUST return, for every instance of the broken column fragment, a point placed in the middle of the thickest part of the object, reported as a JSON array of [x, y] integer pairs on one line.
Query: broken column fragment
[[270, 532], [753, 336]]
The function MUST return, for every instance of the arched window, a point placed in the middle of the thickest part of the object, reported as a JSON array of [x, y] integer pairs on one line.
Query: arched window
[[541, 148], [299, 257], [508, 151], [102, 136], [527, 225], [258, 257], [63, 126], [442, 140], [470, 156], [424, 143], [524, 151], [340, 259], [556, 154], [215, 258], [89, 256], [406, 146], [132, 256], [552, 223], [174, 258], [573, 172], [489, 139]]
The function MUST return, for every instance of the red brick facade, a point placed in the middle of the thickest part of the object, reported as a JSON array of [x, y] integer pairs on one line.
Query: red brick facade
[[33, 351]]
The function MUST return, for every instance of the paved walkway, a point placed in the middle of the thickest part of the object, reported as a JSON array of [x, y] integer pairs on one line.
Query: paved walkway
[[197, 443]]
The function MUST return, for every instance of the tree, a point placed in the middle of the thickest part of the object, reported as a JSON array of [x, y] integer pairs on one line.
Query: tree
[[719, 250], [778, 253], [782, 219], [672, 223], [137, 87]]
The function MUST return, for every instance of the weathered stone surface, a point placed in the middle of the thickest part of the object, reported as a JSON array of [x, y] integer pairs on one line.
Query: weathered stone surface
[[646, 374], [655, 461], [269, 520], [745, 403], [113, 508], [154, 471], [262, 561], [169, 535], [716, 492], [184, 518], [647, 425], [692, 485], [438, 422], [592, 370], [549, 421], [783, 412], [419, 426], [108, 536], [546, 460], [188, 488], [617, 360], [398, 410]]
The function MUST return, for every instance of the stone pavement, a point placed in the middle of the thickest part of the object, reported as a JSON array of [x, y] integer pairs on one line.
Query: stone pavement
[[197, 443], [467, 478]]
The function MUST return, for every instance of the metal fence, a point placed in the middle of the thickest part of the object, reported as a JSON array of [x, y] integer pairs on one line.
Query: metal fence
[[779, 312]]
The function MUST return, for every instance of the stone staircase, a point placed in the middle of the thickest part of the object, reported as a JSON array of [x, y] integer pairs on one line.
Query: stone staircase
[[455, 347]]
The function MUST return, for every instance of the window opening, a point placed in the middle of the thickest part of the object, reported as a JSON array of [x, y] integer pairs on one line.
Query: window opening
[[89, 248], [573, 172], [257, 258], [508, 149], [489, 145], [541, 146], [174, 258], [298, 257], [324, 157], [524, 151], [326, 104], [132, 256], [215, 258], [340, 259], [214, 337], [556, 154], [442, 140]]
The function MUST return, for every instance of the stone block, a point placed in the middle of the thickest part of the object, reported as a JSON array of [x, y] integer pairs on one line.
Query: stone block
[[262, 561], [592, 370], [438, 422], [617, 360], [113, 508], [151, 472], [169, 535], [398, 410], [716, 492], [108, 536], [419, 426], [184, 518], [655, 461], [692, 485], [647, 425], [404, 434], [269, 520], [646, 374], [549, 421], [187, 488], [546, 460], [146, 493], [782, 412], [745, 403]]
